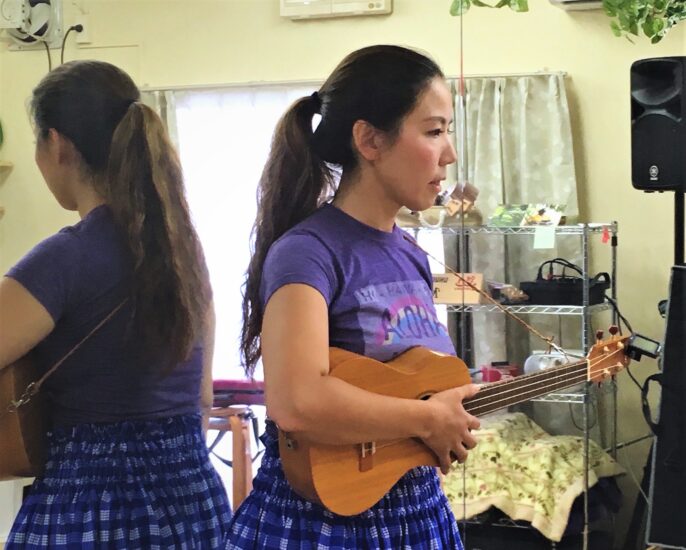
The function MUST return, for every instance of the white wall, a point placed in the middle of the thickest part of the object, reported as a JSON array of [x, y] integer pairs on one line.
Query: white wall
[[181, 42]]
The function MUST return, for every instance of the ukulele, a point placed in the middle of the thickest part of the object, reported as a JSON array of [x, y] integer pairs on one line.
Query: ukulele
[[349, 479], [23, 422], [24, 418]]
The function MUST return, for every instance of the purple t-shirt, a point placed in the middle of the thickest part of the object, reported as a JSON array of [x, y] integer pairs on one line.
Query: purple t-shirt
[[377, 284], [80, 275]]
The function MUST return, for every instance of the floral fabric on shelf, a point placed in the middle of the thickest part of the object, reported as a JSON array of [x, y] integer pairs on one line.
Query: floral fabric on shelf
[[526, 473]]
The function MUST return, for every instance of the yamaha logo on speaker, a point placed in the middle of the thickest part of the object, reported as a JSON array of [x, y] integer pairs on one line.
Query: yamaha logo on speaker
[[654, 172]]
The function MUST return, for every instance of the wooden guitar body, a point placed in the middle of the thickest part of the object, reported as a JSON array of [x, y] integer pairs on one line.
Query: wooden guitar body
[[338, 476], [22, 431]]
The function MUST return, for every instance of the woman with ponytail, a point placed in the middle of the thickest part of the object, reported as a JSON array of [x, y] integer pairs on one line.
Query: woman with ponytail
[[127, 465], [340, 273]]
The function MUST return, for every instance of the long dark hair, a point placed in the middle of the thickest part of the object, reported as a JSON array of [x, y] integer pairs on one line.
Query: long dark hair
[[126, 152], [377, 84]]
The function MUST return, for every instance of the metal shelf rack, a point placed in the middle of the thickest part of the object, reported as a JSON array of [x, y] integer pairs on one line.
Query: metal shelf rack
[[584, 231]]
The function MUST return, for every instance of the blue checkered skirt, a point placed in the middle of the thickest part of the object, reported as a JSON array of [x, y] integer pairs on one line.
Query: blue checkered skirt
[[414, 515], [126, 485]]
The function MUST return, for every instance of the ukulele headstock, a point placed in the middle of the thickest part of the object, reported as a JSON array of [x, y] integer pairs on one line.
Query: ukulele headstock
[[607, 356]]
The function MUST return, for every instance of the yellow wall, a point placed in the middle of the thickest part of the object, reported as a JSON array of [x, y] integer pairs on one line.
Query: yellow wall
[[186, 42]]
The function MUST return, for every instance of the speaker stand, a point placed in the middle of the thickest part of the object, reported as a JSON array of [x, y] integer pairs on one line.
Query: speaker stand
[[679, 227]]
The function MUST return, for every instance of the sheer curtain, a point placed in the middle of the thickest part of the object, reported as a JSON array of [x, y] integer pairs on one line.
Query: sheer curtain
[[224, 138], [519, 147]]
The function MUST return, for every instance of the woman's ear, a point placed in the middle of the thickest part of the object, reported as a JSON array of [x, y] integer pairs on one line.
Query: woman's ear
[[61, 147], [368, 140]]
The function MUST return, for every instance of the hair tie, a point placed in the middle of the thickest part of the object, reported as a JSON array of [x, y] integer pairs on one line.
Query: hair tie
[[317, 100]]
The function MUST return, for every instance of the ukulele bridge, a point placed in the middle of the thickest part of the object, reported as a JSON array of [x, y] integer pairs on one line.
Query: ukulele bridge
[[367, 451]]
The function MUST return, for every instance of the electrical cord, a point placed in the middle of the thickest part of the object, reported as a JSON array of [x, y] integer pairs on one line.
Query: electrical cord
[[619, 315], [642, 388], [627, 466], [633, 378], [594, 416], [77, 28], [47, 50]]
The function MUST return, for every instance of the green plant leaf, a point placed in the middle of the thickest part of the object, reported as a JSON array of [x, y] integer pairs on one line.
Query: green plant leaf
[[652, 18], [610, 8], [459, 7], [519, 5], [624, 20], [648, 26]]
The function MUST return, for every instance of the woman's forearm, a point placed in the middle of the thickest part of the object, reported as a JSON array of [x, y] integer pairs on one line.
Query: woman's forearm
[[330, 411]]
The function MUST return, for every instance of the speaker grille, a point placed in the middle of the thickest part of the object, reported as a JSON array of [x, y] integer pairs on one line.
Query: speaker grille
[[658, 124]]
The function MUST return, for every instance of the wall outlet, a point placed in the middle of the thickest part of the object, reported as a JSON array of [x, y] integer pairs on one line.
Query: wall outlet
[[86, 35]]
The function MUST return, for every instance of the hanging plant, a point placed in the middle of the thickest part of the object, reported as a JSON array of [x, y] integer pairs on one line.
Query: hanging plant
[[653, 18], [458, 7]]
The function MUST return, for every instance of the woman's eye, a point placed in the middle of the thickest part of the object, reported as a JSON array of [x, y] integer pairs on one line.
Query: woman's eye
[[437, 132]]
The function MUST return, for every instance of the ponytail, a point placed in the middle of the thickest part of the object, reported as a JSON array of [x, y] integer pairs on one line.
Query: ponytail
[[134, 167], [293, 184], [143, 185]]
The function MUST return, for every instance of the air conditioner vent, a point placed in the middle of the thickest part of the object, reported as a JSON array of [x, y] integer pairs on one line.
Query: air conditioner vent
[[307, 9]]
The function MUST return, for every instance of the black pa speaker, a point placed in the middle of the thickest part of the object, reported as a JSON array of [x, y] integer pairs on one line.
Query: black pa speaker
[[658, 124], [667, 517]]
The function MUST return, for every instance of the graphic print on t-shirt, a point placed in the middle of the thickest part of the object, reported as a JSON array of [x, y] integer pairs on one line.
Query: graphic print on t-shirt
[[399, 315]]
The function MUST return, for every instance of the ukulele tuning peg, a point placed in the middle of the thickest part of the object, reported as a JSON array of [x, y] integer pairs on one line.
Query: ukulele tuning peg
[[614, 329], [598, 335]]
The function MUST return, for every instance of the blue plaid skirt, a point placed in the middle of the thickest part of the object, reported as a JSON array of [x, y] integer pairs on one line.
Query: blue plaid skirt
[[126, 485], [414, 515]]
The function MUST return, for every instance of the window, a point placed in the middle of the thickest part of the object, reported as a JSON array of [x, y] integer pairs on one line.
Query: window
[[224, 138]]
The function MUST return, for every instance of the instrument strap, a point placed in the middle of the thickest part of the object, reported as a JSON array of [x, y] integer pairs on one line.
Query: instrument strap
[[34, 387]]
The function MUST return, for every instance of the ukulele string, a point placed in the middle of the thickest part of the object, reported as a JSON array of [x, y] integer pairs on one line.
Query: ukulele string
[[563, 380], [540, 376]]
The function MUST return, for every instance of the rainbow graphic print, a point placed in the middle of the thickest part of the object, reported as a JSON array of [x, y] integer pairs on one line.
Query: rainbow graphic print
[[396, 316]]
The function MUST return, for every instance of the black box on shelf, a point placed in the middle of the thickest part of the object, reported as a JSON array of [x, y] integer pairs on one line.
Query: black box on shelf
[[564, 289]]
